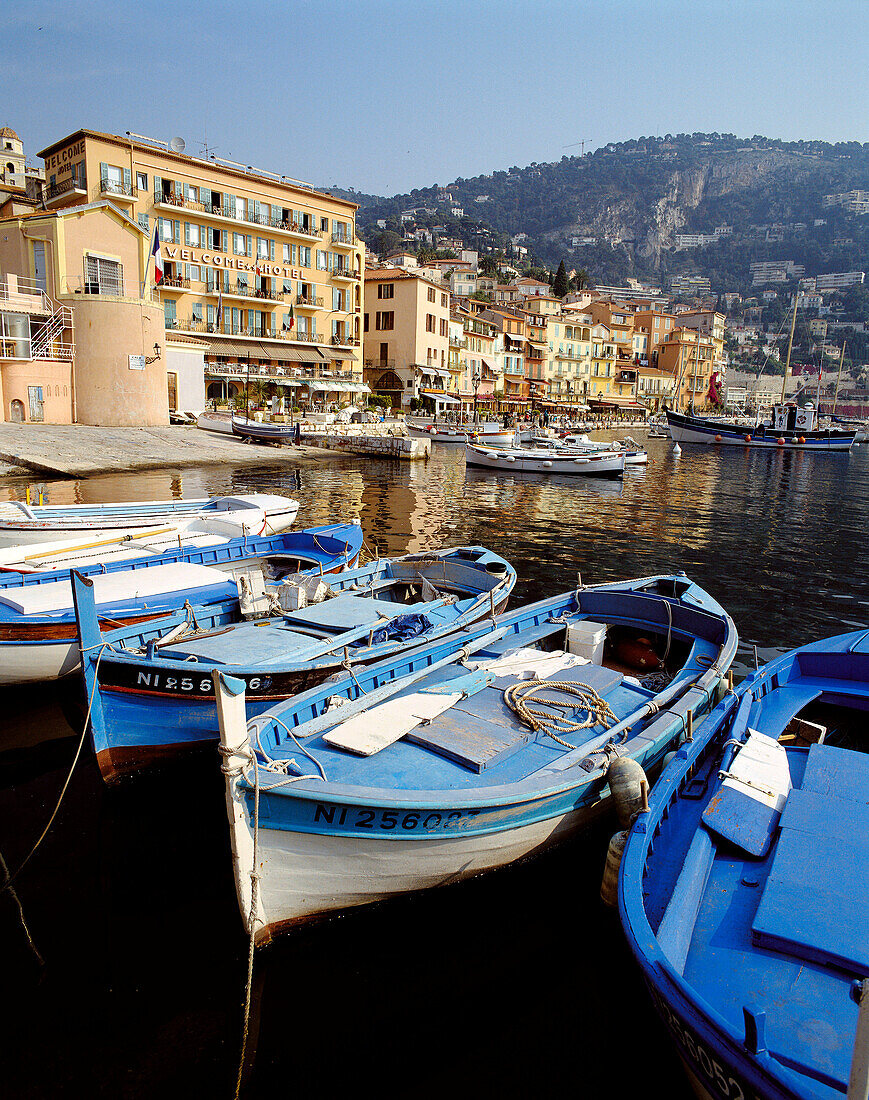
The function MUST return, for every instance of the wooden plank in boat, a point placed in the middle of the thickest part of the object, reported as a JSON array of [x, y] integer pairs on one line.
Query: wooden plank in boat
[[248, 644], [476, 744], [367, 733], [346, 612], [815, 899]]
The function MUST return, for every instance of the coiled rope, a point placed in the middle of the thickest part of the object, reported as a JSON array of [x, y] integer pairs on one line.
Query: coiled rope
[[518, 698]]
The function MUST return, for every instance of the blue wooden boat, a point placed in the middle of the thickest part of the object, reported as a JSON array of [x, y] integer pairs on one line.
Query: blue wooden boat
[[744, 889], [447, 761], [37, 617], [151, 685]]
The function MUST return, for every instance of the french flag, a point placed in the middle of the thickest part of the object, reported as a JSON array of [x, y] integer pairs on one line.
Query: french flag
[[158, 258]]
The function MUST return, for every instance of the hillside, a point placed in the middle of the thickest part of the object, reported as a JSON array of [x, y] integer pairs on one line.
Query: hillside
[[617, 212]]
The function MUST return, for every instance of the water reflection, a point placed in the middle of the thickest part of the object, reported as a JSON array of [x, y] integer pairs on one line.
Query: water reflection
[[130, 900]]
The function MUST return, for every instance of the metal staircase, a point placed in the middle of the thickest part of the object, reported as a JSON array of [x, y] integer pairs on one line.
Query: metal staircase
[[47, 341]]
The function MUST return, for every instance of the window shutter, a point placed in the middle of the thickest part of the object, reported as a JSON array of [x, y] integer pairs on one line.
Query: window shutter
[[128, 182], [271, 250], [176, 236], [104, 172], [224, 239], [187, 233]]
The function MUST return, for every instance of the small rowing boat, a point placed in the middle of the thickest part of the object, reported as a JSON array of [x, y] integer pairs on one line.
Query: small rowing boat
[[235, 516], [37, 617], [744, 888], [263, 431], [152, 686], [451, 759]]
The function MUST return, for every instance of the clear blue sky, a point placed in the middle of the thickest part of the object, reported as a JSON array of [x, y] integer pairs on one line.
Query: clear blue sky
[[389, 95]]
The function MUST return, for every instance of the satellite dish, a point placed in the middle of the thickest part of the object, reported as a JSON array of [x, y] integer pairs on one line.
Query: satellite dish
[[177, 145]]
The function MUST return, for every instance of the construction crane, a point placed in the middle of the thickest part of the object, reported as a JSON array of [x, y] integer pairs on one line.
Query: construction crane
[[582, 145]]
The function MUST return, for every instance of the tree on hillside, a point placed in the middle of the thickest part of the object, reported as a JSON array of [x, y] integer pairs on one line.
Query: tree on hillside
[[580, 280], [561, 284]]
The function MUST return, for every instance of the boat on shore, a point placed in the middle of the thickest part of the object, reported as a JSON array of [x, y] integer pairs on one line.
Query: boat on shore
[[263, 431], [451, 759], [213, 421], [743, 888], [790, 428], [38, 638], [151, 688], [538, 461], [234, 516]]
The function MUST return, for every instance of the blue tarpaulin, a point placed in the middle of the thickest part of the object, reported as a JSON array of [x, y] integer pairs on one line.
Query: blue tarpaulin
[[403, 627]]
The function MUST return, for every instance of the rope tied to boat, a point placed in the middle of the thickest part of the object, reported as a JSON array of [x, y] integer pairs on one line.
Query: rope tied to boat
[[598, 712]]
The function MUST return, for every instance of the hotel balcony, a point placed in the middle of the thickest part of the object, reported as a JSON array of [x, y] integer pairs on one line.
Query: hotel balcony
[[116, 189], [344, 240], [174, 282], [56, 194], [380, 364], [344, 273], [173, 201], [242, 290], [309, 303], [345, 342]]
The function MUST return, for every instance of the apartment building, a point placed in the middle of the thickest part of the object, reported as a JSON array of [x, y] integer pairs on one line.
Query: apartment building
[[262, 272], [406, 338], [840, 280], [688, 357], [570, 361]]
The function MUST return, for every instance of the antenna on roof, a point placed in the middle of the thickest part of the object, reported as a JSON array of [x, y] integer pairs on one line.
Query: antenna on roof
[[177, 145]]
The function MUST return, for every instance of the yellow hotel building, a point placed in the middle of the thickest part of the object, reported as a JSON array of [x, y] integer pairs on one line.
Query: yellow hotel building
[[261, 272]]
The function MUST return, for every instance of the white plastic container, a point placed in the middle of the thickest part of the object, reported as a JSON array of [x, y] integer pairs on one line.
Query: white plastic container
[[586, 639]]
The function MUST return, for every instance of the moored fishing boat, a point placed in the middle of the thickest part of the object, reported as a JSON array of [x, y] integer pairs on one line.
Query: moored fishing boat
[[250, 514], [37, 617], [490, 433], [515, 460], [213, 421], [790, 428], [152, 689], [635, 455], [743, 889], [455, 758]]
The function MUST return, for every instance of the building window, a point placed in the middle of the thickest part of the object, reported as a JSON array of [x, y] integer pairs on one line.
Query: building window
[[103, 276], [386, 290], [385, 320], [431, 294], [429, 322], [142, 181]]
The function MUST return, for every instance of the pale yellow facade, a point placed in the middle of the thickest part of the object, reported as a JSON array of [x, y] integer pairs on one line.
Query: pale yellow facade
[[406, 336], [268, 271]]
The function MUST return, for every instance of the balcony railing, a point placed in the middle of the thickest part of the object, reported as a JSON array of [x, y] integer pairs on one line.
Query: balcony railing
[[116, 187], [242, 290], [344, 273], [175, 282], [58, 190], [380, 364], [345, 240], [174, 198], [308, 302]]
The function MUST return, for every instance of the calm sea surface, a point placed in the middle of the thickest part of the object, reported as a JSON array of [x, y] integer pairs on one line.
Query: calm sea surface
[[519, 983]]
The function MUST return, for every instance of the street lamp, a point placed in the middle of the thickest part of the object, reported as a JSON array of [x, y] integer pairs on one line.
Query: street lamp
[[477, 377]]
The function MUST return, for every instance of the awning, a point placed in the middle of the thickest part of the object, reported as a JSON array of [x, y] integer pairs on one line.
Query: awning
[[338, 354], [617, 402], [444, 397], [430, 371], [261, 351]]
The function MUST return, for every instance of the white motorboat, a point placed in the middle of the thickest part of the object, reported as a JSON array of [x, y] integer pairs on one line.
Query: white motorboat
[[235, 516], [490, 432], [515, 460]]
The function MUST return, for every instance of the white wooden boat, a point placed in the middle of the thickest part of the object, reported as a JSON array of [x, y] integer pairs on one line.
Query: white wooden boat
[[635, 455], [212, 421], [516, 460], [490, 432], [234, 516]]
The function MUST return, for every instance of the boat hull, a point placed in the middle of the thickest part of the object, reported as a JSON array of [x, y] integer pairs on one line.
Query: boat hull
[[493, 438], [695, 429], [599, 464], [262, 432], [306, 876]]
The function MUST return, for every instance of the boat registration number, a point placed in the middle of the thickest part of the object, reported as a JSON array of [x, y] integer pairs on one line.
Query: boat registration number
[[356, 818], [717, 1077]]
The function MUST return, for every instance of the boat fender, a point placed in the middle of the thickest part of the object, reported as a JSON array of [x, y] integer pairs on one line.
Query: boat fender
[[718, 439], [802, 439], [780, 441], [547, 463], [628, 786], [677, 450], [793, 439], [609, 887], [748, 439], [637, 653]]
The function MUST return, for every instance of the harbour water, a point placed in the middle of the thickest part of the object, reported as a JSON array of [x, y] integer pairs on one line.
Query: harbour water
[[125, 958]]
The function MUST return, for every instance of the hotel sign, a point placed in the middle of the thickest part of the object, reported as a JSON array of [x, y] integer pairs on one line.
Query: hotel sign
[[62, 161], [229, 263]]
